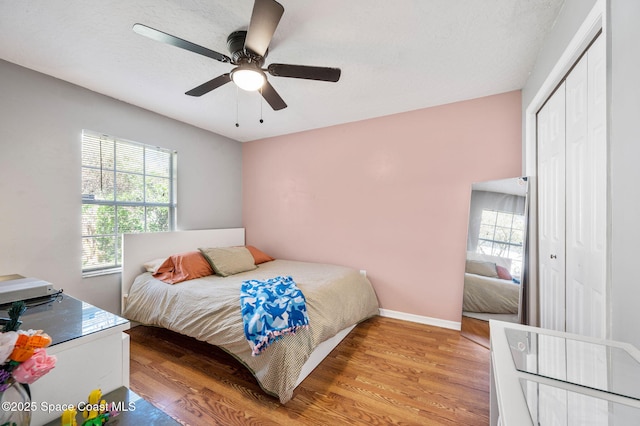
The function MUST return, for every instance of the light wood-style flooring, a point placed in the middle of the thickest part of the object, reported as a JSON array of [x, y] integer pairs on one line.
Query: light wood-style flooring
[[476, 330], [386, 371]]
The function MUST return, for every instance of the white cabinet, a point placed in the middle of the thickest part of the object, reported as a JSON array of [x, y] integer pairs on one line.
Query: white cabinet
[[572, 200], [545, 377], [92, 351]]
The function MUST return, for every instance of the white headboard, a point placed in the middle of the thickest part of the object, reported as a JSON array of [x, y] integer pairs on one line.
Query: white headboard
[[140, 248]]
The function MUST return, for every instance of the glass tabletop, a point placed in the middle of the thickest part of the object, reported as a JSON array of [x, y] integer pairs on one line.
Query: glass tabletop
[[597, 366], [550, 405], [65, 318]]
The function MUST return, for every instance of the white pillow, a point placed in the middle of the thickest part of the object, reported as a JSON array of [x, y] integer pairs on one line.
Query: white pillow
[[488, 269], [153, 265]]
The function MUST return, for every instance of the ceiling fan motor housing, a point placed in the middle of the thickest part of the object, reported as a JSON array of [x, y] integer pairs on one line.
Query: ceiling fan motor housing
[[235, 44]]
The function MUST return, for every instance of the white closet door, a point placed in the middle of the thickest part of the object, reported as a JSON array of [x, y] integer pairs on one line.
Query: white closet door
[[586, 227], [551, 211], [599, 219], [572, 200], [586, 195]]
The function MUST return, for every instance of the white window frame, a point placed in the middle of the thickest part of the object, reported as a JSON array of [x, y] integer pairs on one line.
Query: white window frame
[[90, 136], [493, 241]]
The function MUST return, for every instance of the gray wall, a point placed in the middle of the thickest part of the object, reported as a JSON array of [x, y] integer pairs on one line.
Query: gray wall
[[624, 162], [623, 65], [41, 119]]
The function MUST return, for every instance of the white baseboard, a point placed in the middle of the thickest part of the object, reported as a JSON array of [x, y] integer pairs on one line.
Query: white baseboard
[[436, 322]]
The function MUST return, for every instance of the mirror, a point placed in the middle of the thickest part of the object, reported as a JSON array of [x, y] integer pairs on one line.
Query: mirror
[[495, 261]]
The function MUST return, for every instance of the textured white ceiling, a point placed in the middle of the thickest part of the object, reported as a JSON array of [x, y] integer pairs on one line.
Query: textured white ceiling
[[395, 56]]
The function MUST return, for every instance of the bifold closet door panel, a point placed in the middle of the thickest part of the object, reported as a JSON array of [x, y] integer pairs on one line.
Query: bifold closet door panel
[[551, 211], [586, 200]]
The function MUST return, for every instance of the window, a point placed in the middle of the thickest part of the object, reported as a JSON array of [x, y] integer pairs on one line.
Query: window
[[502, 234], [126, 187]]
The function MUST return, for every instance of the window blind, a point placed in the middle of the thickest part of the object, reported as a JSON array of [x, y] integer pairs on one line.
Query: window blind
[[127, 187]]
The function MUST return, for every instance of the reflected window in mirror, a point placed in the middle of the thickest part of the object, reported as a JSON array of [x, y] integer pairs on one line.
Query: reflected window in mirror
[[501, 234]]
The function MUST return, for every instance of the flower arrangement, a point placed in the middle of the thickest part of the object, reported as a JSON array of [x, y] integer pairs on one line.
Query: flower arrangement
[[23, 358]]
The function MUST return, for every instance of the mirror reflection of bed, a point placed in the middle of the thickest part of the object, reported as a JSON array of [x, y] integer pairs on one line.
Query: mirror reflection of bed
[[494, 267]]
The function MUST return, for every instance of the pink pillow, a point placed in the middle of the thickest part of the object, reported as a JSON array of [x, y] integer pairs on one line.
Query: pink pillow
[[183, 267], [503, 273]]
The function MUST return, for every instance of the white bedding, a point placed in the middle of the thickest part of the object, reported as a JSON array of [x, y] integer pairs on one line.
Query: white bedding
[[490, 295], [208, 309]]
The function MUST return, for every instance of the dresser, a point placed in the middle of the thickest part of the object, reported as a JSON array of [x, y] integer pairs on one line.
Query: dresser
[[90, 345], [545, 377]]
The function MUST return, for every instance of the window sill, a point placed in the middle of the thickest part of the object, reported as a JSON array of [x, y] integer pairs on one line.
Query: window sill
[[100, 272]]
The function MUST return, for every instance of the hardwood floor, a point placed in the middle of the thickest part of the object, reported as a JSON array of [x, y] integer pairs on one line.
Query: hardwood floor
[[386, 371], [476, 330]]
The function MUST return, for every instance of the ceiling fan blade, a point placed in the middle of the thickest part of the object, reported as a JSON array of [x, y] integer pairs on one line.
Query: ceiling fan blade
[[306, 72], [264, 21], [271, 96], [209, 85], [162, 37]]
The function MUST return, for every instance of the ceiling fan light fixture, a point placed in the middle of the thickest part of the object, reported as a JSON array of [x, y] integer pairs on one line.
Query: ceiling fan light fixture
[[248, 78]]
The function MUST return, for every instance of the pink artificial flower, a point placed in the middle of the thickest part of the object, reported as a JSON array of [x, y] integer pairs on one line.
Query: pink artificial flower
[[35, 367]]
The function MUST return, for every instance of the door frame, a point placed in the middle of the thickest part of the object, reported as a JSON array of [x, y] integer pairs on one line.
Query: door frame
[[592, 25]]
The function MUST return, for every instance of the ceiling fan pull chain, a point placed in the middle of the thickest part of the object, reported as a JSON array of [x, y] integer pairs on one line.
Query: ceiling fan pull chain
[[237, 125], [261, 98]]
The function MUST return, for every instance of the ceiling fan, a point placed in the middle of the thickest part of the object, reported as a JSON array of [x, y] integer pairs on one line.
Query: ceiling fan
[[248, 52]]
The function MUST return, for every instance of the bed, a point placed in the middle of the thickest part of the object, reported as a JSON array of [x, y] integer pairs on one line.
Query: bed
[[488, 293], [208, 308]]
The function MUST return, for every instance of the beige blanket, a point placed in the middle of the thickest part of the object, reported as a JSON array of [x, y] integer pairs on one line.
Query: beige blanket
[[208, 309], [490, 295]]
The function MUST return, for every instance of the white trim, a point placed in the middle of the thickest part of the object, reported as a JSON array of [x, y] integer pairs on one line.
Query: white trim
[[436, 322], [126, 359], [99, 272], [593, 23]]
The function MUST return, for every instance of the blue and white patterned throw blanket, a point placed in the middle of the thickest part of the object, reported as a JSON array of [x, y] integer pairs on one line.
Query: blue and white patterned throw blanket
[[271, 309]]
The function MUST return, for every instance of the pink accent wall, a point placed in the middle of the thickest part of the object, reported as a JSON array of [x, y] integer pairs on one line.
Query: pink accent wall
[[389, 195]]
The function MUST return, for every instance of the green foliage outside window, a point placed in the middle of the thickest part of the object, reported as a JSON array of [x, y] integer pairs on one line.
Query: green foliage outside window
[[126, 188]]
